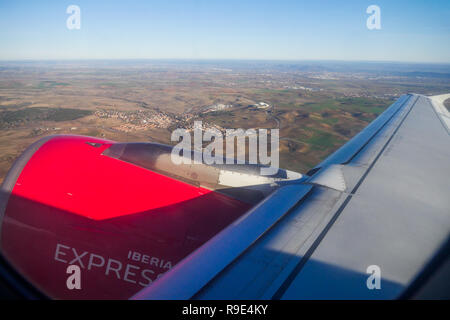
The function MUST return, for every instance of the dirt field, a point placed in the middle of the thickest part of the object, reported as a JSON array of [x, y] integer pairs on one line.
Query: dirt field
[[316, 112]]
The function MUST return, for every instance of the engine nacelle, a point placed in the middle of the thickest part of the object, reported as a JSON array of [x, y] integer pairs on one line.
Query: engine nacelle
[[69, 201]]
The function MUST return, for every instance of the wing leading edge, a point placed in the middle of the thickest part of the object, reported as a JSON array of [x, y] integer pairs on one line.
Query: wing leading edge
[[380, 200]]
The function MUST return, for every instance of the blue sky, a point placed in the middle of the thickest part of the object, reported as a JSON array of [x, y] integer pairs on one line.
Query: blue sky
[[412, 30]]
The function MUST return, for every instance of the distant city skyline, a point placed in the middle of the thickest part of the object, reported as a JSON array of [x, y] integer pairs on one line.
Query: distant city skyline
[[411, 31]]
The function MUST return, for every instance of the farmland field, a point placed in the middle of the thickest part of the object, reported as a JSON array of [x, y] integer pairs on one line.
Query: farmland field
[[315, 107]]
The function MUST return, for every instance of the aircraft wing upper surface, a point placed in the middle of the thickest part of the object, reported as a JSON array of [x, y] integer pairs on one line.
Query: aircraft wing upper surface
[[380, 200]]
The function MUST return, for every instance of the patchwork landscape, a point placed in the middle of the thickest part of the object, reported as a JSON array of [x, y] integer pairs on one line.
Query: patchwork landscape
[[317, 106]]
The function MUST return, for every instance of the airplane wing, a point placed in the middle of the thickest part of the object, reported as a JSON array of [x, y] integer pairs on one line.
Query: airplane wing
[[381, 202], [371, 221]]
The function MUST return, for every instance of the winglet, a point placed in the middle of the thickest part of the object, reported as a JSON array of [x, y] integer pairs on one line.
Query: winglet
[[438, 105], [330, 177]]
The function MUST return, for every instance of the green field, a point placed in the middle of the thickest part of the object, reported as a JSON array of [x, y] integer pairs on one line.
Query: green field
[[22, 116]]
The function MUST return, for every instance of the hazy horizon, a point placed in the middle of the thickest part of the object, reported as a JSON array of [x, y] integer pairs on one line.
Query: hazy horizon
[[225, 60], [410, 31]]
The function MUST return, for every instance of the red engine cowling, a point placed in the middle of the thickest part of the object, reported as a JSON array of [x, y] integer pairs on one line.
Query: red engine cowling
[[66, 202]]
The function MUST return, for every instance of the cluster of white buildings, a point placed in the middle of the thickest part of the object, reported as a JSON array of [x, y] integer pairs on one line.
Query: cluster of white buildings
[[137, 120], [261, 105], [217, 107]]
